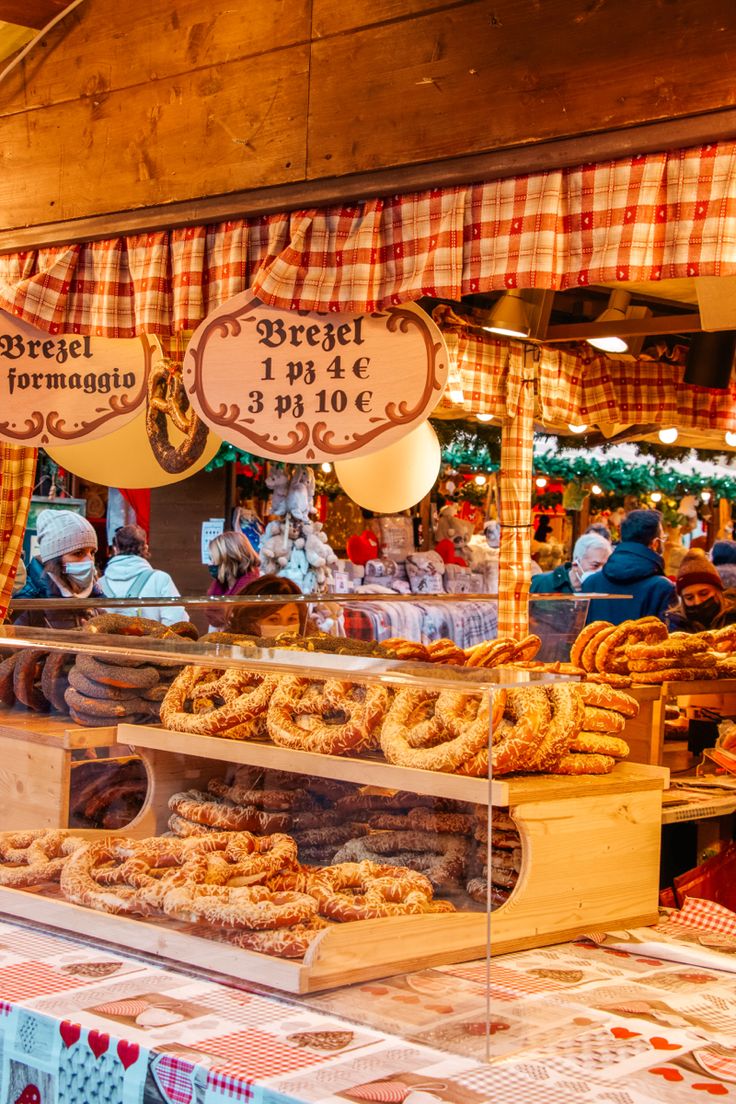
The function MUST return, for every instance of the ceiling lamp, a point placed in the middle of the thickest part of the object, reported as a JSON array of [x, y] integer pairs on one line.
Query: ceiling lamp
[[541, 482], [705, 496], [326, 467], [484, 417], [656, 496], [509, 316], [614, 313], [481, 480], [577, 428], [731, 438], [596, 490], [668, 436]]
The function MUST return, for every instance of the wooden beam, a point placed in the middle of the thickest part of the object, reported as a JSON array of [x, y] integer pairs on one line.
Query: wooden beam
[[31, 13], [628, 327], [500, 164]]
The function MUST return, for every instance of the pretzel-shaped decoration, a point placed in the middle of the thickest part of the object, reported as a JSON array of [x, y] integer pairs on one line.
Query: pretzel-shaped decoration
[[167, 398]]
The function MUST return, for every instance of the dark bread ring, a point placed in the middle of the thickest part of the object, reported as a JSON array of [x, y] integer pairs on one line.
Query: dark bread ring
[[138, 678], [7, 693], [27, 679], [55, 678], [104, 707], [92, 689]]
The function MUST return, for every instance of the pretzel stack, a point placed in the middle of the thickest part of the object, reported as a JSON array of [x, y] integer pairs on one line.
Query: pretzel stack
[[36, 679], [601, 648], [723, 644], [680, 657], [505, 858], [563, 729], [247, 889]]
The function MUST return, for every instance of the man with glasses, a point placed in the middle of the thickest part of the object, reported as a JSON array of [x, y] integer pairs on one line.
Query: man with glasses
[[636, 568]]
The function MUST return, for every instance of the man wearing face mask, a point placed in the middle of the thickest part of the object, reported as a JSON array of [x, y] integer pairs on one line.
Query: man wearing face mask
[[635, 569], [590, 553], [703, 604], [558, 623], [66, 548]]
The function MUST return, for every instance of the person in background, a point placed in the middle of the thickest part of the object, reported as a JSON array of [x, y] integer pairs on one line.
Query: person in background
[[590, 553], [268, 618], [65, 568], [635, 568], [723, 555], [129, 575], [234, 566], [702, 603], [601, 529]]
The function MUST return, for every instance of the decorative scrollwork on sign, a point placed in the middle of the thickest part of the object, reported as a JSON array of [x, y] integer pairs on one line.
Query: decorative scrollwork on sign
[[306, 386], [62, 389]]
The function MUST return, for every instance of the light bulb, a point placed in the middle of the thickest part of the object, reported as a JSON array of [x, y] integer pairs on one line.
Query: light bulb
[[484, 417], [668, 436], [656, 496], [595, 489], [326, 467], [731, 438], [481, 480], [541, 482], [455, 395], [705, 496], [577, 428]]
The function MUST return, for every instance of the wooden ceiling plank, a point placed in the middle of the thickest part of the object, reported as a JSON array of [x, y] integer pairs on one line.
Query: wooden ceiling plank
[[31, 13]]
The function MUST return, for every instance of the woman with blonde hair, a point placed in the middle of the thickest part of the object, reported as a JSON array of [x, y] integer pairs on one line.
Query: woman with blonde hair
[[235, 564]]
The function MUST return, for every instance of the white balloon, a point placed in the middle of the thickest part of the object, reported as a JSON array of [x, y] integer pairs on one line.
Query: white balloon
[[396, 477]]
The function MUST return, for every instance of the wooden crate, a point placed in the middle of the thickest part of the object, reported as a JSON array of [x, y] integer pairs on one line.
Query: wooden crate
[[645, 733], [590, 855], [35, 763]]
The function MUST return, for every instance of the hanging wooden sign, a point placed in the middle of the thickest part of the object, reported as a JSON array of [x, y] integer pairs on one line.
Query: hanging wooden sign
[[57, 389], [308, 387]]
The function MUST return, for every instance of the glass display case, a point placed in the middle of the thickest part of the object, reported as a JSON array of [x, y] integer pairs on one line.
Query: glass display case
[[306, 811]]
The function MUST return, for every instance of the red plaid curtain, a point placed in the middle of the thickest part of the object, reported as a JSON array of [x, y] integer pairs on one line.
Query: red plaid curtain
[[514, 494], [643, 218], [17, 475]]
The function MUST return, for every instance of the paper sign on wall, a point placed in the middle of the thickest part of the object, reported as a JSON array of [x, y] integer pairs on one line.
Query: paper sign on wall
[[62, 388], [305, 386], [210, 529]]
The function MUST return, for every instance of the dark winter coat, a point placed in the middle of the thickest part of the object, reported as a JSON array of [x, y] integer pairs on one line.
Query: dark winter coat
[[635, 570]]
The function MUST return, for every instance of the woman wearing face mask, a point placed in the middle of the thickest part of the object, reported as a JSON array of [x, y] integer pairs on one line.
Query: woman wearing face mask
[[66, 550], [702, 604], [234, 566], [269, 619]]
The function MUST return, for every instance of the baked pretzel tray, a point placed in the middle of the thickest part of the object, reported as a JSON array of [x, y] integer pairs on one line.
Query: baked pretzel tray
[[341, 955]]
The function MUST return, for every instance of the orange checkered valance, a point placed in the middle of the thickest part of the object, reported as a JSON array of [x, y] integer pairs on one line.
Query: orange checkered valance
[[584, 388], [643, 218]]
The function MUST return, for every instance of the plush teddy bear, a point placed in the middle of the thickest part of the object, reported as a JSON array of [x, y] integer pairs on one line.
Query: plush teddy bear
[[278, 482], [274, 550], [300, 495]]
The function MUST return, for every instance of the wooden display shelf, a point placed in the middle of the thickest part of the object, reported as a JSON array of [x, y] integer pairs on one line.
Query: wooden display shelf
[[645, 733], [590, 855], [35, 764], [340, 955], [363, 771]]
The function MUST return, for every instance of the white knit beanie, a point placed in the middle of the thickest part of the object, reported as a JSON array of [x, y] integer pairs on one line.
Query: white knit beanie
[[61, 531]]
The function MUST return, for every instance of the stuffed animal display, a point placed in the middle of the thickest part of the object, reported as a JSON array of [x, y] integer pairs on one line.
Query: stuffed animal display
[[294, 545]]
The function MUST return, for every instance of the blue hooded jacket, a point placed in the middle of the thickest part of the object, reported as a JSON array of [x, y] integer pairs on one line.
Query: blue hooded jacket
[[631, 569]]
